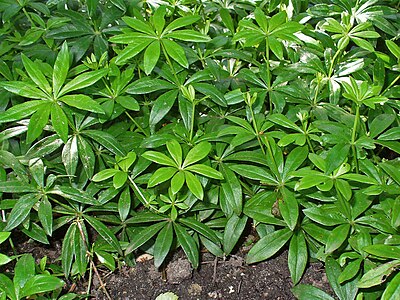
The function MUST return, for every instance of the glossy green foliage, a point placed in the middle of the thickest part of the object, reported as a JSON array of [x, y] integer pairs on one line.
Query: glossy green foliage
[[162, 126]]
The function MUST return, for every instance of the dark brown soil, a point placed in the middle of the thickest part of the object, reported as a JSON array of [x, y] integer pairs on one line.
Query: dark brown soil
[[227, 279]]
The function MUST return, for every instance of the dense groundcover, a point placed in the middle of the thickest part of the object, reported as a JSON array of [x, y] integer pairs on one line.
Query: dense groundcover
[[148, 126]]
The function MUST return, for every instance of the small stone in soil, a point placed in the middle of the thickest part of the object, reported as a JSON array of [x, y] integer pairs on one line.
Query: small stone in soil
[[179, 270], [194, 289]]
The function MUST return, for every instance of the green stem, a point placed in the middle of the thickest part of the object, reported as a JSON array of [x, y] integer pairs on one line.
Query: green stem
[[307, 137], [255, 127], [141, 196], [111, 93], [271, 154], [192, 121], [391, 84], [267, 60], [28, 17], [136, 124], [170, 64], [309, 144], [353, 136], [333, 63]]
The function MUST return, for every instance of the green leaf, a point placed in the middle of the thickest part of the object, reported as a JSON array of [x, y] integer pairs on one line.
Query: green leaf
[[227, 19], [167, 296], [188, 36], [194, 185], [233, 231], [151, 56], [181, 22], [394, 48], [67, 250], [284, 122], [188, 245], [177, 182], [131, 50], [70, 156], [161, 175], [104, 232], [309, 181], [395, 220], [24, 270], [336, 156], [45, 214], [378, 275], [7, 285], [175, 150], [106, 140], [255, 173], [391, 135], [59, 121], [138, 25], [297, 256], [162, 106], [143, 236], [392, 169], [82, 102], [36, 233], [16, 187], [36, 74], [176, 52], [23, 89], [124, 204], [159, 158], [392, 290], [337, 237], [119, 179], [201, 228], [305, 292], [104, 174], [346, 291], [158, 19], [262, 20], [40, 284], [83, 80], [197, 153], [205, 171], [231, 192], [294, 160], [128, 102], [20, 211], [74, 194], [289, 208], [4, 259], [145, 217], [37, 122], [147, 85], [86, 156], [61, 67], [163, 244], [350, 270], [4, 236], [382, 250], [268, 245], [21, 111], [212, 92]]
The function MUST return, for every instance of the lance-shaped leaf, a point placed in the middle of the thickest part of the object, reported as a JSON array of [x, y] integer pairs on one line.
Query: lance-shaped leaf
[[83, 80], [188, 244], [268, 245]]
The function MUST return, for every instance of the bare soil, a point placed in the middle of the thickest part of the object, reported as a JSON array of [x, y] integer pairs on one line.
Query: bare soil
[[216, 278], [229, 279]]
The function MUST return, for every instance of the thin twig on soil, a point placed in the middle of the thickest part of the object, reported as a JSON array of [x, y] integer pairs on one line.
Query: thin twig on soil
[[215, 270], [102, 286]]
